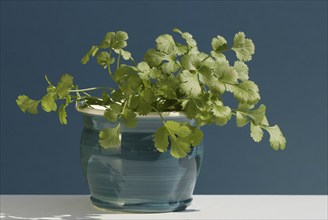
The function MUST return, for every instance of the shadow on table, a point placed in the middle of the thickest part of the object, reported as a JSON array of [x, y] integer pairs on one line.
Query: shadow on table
[[86, 216]]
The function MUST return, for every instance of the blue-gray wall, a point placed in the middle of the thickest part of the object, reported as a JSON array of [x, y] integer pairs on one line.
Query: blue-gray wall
[[290, 64]]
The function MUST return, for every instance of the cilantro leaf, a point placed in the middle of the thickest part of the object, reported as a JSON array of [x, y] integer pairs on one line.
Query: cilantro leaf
[[258, 115], [125, 54], [224, 72], [277, 139], [114, 40], [242, 70], [64, 85], [177, 129], [110, 137], [146, 73], [153, 57], [156, 58], [165, 43], [113, 112], [120, 40], [190, 62], [219, 44], [27, 105], [144, 102], [48, 102], [256, 132], [161, 139], [190, 83], [167, 86], [179, 149], [243, 47], [129, 118], [104, 59], [92, 52], [169, 65], [246, 92], [196, 136], [241, 119], [192, 44], [222, 114], [62, 114], [128, 79], [190, 109]]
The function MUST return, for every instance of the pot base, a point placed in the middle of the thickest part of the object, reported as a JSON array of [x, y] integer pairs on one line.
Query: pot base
[[142, 207]]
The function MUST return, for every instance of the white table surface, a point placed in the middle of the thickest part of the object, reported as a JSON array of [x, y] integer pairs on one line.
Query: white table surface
[[58, 207]]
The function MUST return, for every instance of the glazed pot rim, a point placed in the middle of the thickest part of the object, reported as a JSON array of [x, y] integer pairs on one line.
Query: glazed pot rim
[[98, 110]]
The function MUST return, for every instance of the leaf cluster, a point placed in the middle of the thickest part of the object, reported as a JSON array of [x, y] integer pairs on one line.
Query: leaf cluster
[[172, 77]]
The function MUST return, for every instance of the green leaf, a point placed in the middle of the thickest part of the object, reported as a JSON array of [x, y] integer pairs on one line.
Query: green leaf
[[104, 59], [178, 133], [222, 114], [161, 139], [92, 52], [277, 139], [114, 40], [224, 72], [153, 58], [129, 118], [258, 115], [180, 149], [165, 43], [190, 62], [219, 44], [190, 83], [64, 85], [213, 83], [242, 70], [243, 47], [146, 73], [110, 137], [125, 54], [48, 102], [256, 132], [218, 56], [143, 107], [62, 114], [246, 92], [177, 129], [190, 109], [196, 136], [27, 105], [120, 40], [106, 42], [128, 79], [156, 58], [167, 86], [113, 112], [188, 37], [241, 119]]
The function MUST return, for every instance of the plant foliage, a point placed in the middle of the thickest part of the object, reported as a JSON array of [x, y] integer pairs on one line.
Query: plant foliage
[[172, 77]]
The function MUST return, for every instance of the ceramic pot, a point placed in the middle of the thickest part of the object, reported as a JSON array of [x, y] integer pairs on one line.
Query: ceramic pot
[[135, 177]]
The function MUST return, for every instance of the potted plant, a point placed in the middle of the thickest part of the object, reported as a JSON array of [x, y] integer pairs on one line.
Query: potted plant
[[141, 148]]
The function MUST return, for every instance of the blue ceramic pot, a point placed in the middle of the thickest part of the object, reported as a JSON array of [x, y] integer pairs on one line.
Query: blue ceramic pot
[[135, 176]]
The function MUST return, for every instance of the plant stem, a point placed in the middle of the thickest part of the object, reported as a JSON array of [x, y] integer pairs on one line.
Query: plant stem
[[118, 61], [90, 89], [159, 113]]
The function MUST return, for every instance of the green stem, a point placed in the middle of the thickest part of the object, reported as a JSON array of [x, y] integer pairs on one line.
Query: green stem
[[118, 61], [90, 89], [160, 114]]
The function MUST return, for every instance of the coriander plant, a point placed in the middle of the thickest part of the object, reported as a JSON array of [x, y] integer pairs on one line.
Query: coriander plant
[[172, 77]]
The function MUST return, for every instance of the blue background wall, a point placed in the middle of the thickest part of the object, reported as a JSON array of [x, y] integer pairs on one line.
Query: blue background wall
[[290, 64]]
